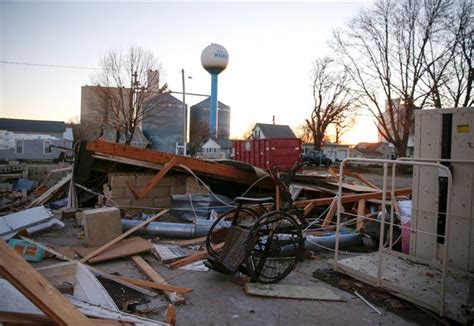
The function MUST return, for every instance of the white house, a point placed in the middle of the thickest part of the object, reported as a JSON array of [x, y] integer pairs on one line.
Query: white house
[[216, 149], [265, 130]]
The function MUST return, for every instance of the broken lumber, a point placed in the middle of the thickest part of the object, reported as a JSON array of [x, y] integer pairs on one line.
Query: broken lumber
[[153, 285], [352, 198], [21, 318], [335, 172], [123, 248], [212, 169], [152, 183], [194, 257], [36, 288], [170, 315], [122, 236], [360, 213], [50, 192], [146, 269], [329, 216]]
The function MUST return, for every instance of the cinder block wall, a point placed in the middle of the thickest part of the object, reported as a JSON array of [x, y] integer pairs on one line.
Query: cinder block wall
[[158, 197]]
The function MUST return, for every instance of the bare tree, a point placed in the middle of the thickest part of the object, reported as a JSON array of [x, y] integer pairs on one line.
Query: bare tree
[[198, 134], [248, 132], [127, 79], [457, 82], [397, 54], [304, 133], [332, 98], [342, 124]]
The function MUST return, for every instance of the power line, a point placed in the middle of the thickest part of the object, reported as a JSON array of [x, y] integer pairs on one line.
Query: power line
[[45, 65]]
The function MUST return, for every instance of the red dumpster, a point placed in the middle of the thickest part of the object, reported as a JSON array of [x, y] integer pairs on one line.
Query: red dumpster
[[266, 153]]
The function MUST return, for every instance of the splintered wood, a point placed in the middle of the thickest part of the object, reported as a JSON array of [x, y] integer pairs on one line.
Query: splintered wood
[[35, 287]]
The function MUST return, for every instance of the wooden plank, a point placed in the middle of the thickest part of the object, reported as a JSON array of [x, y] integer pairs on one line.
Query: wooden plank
[[36, 288], [208, 168], [152, 183], [190, 241], [360, 213], [308, 208], [21, 318], [329, 216], [122, 282], [352, 198], [122, 236], [123, 248], [146, 269], [335, 172], [153, 285], [170, 315], [50, 192], [194, 257]]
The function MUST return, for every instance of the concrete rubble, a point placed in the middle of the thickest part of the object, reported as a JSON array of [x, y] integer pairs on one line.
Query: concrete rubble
[[111, 235]]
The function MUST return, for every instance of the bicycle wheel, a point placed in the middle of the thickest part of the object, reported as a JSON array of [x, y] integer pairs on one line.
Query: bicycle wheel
[[237, 216], [275, 245]]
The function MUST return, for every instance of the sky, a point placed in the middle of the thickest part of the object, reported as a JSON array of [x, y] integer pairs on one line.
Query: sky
[[271, 48]]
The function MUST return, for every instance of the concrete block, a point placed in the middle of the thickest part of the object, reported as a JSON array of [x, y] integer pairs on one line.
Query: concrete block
[[142, 202], [162, 202], [141, 179], [158, 192], [122, 202], [117, 192], [181, 189], [121, 179], [167, 181], [101, 225]]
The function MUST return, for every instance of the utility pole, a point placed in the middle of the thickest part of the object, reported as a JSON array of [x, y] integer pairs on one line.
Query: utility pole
[[185, 115]]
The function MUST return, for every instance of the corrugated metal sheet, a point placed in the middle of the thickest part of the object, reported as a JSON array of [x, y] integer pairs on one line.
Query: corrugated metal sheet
[[266, 153]]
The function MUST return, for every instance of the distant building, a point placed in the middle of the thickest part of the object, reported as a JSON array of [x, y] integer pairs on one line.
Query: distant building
[[216, 149], [96, 102], [199, 117], [378, 150], [164, 124], [96, 112], [336, 152], [32, 139], [264, 130]]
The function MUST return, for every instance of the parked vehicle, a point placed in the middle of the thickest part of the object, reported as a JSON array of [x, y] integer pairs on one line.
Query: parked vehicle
[[316, 158]]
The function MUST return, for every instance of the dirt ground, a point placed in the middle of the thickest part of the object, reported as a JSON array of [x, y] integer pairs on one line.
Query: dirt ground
[[220, 300]]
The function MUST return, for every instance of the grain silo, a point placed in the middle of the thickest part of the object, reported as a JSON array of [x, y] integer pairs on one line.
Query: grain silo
[[163, 125], [199, 119]]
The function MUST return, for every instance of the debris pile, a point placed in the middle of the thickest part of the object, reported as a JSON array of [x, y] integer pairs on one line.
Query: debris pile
[[145, 208]]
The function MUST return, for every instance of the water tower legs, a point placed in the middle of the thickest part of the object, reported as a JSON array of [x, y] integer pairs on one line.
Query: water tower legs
[[213, 110]]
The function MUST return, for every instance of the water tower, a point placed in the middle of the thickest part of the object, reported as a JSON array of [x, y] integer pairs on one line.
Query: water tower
[[214, 58]]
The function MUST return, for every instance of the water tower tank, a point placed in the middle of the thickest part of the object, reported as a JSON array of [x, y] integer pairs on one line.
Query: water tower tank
[[214, 58]]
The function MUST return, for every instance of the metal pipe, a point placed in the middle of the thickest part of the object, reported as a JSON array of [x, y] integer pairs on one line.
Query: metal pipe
[[314, 243], [174, 230]]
